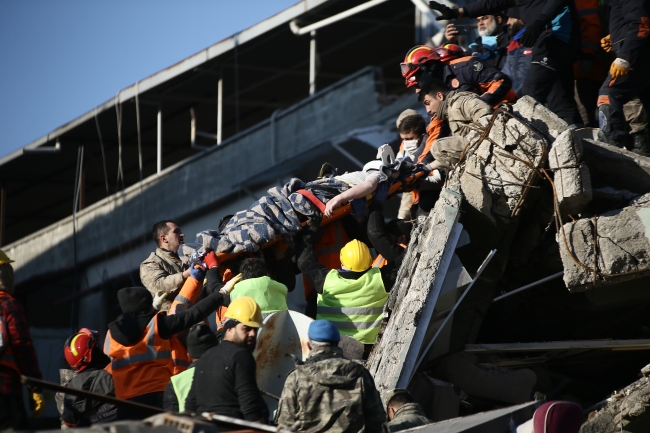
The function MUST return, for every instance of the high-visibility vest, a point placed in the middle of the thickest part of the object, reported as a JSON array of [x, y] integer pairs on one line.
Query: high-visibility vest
[[146, 366], [6, 354], [328, 249], [380, 261], [182, 384], [269, 294], [355, 307]]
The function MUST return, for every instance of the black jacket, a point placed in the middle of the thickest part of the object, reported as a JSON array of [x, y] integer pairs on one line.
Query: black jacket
[[127, 329], [224, 383], [629, 28], [470, 74], [529, 10], [384, 245], [82, 412]]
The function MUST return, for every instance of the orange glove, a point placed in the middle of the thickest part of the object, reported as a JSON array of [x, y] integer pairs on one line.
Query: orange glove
[[211, 260], [620, 67], [606, 43]]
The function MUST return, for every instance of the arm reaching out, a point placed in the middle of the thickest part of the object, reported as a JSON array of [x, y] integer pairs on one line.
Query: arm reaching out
[[360, 190]]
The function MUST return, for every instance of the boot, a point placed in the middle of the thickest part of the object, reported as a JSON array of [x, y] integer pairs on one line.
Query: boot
[[641, 143], [612, 128]]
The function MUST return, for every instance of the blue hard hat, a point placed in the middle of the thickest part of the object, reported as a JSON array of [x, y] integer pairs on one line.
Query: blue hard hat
[[322, 330]]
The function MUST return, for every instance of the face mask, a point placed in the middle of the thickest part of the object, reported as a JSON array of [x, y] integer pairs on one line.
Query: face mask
[[411, 146]]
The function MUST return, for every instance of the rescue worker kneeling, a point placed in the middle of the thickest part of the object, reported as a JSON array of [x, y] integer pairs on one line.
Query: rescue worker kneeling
[[352, 298], [144, 350]]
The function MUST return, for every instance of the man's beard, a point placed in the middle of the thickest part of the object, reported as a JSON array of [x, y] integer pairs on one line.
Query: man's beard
[[514, 29], [247, 343], [490, 29]]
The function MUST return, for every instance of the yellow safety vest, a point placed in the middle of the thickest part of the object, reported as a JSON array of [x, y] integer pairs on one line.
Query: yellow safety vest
[[355, 307], [270, 295]]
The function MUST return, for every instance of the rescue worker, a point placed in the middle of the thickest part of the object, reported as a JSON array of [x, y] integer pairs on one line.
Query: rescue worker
[[459, 109], [494, 38], [270, 295], [388, 240], [144, 349], [84, 355], [553, 37], [352, 298], [629, 24], [163, 270], [17, 355], [224, 378], [403, 413], [329, 392], [411, 127], [200, 339], [465, 73]]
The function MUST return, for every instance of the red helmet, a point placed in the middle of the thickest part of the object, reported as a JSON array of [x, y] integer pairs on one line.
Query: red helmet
[[79, 348], [420, 58]]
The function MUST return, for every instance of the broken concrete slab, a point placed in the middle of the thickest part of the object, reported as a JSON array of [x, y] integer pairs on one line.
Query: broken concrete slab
[[540, 117], [419, 284], [614, 167], [571, 177], [607, 249], [498, 171], [627, 411]]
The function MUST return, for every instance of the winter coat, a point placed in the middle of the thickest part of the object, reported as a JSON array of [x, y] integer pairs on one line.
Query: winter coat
[[330, 393], [408, 416], [163, 270], [81, 411], [462, 108]]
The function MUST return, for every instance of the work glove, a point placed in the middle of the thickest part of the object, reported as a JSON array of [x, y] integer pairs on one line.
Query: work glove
[[620, 68], [230, 285], [198, 273], [158, 299], [211, 260], [38, 404], [446, 13], [358, 207], [606, 43], [532, 33], [381, 192]]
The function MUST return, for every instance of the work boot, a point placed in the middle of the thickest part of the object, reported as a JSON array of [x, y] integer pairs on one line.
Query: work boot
[[612, 128], [641, 143]]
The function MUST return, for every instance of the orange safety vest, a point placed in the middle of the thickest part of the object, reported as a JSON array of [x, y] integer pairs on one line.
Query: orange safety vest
[[380, 261], [220, 317], [6, 355], [148, 365], [328, 249]]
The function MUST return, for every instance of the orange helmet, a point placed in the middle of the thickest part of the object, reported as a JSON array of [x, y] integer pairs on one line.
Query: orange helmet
[[79, 348], [422, 58]]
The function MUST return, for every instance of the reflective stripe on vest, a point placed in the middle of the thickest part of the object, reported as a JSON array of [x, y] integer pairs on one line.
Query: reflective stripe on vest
[[147, 365], [355, 307], [182, 384], [187, 296]]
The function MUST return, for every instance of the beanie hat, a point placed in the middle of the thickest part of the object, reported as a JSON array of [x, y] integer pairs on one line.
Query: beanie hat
[[322, 330], [134, 299], [199, 339], [405, 114]]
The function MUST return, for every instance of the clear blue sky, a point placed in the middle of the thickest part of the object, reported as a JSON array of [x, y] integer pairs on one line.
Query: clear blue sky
[[61, 58]]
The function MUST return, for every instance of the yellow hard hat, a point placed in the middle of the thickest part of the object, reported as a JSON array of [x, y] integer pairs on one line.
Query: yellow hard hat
[[245, 310], [4, 258], [355, 256]]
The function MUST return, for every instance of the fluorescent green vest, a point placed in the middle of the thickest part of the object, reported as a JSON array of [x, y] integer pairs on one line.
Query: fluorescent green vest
[[270, 295], [355, 307], [182, 383]]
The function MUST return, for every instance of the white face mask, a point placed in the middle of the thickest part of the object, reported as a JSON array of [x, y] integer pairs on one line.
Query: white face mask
[[411, 146]]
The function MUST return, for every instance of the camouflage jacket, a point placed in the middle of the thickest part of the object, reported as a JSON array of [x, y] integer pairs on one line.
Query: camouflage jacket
[[163, 270], [330, 393], [407, 416]]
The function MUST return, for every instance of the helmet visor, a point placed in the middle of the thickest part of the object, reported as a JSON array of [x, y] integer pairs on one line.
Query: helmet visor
[[406, 68]]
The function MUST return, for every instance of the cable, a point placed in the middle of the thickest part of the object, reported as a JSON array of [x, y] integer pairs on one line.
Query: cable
[[101, 145], [120, 172], [137, 115]]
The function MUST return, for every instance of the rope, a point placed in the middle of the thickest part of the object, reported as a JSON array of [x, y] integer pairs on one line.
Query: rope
[[101, 145], [120, 172]]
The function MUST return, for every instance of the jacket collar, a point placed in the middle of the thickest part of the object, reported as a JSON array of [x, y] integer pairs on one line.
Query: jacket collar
[[324, 352], [442, 111]]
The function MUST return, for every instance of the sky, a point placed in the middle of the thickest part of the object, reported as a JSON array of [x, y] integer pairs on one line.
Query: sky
[[61, 58]]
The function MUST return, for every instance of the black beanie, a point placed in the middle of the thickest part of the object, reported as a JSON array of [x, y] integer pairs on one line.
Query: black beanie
[[134, 299], [199, 340]]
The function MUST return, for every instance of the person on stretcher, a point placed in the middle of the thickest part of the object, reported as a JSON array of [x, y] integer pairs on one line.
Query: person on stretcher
[[363, 183]]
